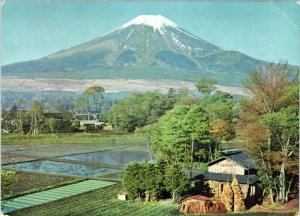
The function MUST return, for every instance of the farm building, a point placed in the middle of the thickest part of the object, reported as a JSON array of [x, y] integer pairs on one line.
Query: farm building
[[236, 163], [93, 125]]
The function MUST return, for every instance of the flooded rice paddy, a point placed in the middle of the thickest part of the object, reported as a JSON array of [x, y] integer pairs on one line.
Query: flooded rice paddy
[[91, 165], [61, 168], [113, 157]]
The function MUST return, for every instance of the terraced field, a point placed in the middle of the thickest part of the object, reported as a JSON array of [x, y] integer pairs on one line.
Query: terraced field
[[51, 195]]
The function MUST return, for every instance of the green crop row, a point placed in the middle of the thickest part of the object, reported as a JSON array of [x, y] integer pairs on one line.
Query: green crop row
[[98, 202], [104, 202]]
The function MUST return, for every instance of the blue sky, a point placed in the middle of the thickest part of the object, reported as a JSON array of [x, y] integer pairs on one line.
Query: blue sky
[[264, 30]]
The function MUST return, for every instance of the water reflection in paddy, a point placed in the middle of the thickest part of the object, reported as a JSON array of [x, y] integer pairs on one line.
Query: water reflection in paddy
[[113, 157], [61, 168]]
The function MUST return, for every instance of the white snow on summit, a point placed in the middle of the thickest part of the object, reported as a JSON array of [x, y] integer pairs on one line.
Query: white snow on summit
[[155, 21]]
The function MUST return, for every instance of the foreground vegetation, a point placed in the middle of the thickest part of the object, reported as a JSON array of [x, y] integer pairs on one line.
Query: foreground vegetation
[[99, 202], [104, 202]]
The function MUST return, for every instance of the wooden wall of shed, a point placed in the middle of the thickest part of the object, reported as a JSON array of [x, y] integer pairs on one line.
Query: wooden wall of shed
[[227, 167]]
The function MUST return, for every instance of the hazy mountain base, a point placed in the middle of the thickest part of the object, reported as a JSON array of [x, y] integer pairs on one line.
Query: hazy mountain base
[[152, 72], [53, 100], [110, 85]]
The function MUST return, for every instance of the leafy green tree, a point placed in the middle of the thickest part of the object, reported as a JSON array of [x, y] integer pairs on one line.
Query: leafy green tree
[[81, 104], [133, 111], [52, 123], [206, 86], [150, 183], [222, 130], [269, 125], [13, 112], [36, 114], [176, 181], [96, 93], [59, 105], [223, 114], [75, 124], [138, 110], [220, 106], [20, 103], [160, 187], [284, 125], [133, 180], [5, 123], [148, 180], [122, 118], [12, 122], [173, 137]]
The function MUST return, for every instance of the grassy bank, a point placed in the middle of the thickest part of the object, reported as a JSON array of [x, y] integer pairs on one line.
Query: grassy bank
[[68, 138]]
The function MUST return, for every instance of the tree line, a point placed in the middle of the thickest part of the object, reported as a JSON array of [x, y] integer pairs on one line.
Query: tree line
[[153, 181]]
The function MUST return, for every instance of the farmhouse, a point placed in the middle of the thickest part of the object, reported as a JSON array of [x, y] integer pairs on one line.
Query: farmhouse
[[92, 124], [234, 162]]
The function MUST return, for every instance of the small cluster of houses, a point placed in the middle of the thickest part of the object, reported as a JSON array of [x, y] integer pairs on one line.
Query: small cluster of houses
[[87, 122]]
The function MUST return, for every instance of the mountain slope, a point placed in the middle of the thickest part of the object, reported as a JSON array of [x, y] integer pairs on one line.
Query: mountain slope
[[149, 47]]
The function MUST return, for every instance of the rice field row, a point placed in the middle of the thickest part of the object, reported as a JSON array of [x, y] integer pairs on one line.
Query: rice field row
[[52, 195]]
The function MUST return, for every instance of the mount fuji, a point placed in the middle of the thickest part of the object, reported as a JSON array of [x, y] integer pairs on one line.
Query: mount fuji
[[147, 47]]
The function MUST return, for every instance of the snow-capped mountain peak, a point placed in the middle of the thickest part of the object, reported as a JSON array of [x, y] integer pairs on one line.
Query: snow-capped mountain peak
[[155, 21], [147, 47]]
